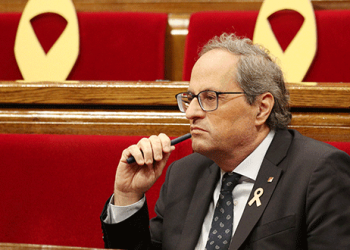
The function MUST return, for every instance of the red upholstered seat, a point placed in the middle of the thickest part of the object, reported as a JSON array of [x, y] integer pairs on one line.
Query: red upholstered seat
[[330, 63], [113, 46], [345, 146], [53, 187]]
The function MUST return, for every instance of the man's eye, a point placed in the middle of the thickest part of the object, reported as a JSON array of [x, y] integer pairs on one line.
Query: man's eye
[[210, 97], [187, 101]]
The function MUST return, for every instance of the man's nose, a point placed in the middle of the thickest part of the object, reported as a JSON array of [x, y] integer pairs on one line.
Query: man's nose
[[194, 109]]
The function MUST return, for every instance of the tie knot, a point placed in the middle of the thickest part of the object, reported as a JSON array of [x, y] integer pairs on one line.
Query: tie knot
[[229, 181]]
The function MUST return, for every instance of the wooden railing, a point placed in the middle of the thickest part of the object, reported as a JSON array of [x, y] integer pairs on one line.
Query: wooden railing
[[320, 111]]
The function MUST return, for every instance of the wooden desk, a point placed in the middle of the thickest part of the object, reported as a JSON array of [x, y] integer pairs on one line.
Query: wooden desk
[[14, 246], [145, 108]]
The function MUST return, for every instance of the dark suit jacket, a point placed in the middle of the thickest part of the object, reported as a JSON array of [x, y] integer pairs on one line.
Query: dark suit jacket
[[306, 206]]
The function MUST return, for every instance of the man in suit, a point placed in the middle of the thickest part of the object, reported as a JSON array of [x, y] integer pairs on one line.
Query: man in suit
[[289, 191]]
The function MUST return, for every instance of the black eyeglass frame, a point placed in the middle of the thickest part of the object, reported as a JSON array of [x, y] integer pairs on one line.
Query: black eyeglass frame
[[217, 93]]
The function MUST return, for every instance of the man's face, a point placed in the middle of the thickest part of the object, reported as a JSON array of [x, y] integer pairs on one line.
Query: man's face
[[231, 128]]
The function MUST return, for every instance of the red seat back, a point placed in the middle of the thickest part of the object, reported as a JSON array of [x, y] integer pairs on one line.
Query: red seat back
[[53, 187], [113, 46], [330, 62]]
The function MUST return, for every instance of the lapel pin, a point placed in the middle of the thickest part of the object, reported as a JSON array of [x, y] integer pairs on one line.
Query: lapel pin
[[256, 197], [270, 179]]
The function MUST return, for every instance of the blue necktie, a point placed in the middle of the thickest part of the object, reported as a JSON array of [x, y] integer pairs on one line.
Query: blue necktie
[[221, 228]]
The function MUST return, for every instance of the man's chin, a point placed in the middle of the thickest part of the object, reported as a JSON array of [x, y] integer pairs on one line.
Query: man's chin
[[200, 147]]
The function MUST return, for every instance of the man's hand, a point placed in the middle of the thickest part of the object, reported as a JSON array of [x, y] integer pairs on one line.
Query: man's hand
[[133, 180]]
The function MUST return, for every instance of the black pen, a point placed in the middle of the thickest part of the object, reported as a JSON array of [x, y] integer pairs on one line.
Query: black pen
[[177, 140]]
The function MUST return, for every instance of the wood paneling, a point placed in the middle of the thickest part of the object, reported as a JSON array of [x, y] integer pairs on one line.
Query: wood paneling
[[320, 95], [320, 126], [146, 108], [175, 39], [93, 122], [160, 93], [323, 126], [87, 93]]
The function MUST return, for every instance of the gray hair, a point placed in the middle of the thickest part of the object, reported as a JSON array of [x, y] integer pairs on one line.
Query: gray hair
[[257, 73]]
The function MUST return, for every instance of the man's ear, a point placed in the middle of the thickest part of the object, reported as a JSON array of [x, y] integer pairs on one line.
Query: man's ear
[[265, 103]]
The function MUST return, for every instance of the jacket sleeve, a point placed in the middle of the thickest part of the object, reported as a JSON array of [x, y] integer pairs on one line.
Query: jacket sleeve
[[328, 204], [138, 232], [133, 233]]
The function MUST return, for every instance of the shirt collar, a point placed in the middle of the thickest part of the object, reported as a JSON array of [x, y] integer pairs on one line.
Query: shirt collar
[[250, 166]]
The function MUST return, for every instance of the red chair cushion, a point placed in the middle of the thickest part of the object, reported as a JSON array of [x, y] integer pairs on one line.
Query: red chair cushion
[[345, 146]]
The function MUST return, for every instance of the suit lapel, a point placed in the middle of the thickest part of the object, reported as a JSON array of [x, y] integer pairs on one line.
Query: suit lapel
[[252, 212], [267, 180], [199, 207]]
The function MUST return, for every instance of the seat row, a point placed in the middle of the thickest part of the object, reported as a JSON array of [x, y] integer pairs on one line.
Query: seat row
[[124, 46], [53, 187]]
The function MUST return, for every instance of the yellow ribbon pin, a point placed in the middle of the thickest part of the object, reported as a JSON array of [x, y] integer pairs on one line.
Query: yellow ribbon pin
[[256, 197]]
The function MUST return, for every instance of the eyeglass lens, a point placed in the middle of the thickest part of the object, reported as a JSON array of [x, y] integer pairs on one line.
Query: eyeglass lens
[[206, 99]]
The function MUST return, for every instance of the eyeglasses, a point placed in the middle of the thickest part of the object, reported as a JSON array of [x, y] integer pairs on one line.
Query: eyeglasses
[[208, 99]]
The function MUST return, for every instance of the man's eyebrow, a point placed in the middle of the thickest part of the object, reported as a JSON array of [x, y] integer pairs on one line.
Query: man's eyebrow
[[206, 89]]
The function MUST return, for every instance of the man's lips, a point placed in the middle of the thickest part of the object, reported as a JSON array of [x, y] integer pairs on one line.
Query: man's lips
[[197, 129]]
